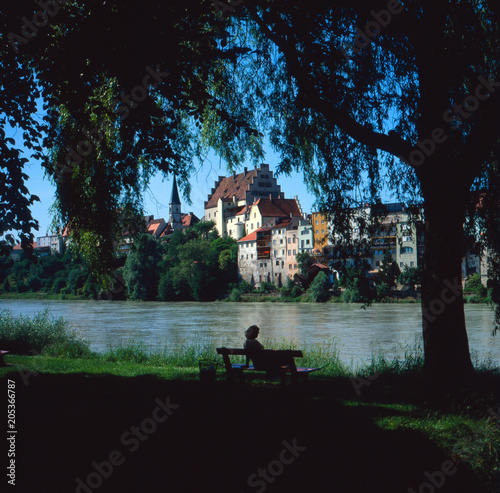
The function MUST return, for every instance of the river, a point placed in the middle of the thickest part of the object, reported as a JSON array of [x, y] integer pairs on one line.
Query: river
[[358, 332]]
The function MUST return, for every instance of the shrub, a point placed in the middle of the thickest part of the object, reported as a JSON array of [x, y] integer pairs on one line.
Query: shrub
[[34, 283], [319, 288], [58, 285], [474, 285], [267, 287], [40, 333], [235, 295], [245, 287], [22, 287], [297, 291]]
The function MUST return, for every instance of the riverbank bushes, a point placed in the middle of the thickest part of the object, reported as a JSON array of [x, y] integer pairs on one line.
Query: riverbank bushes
[[41, 334]]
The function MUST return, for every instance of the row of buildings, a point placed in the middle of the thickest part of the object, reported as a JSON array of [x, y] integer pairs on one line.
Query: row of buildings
[[271, 230]]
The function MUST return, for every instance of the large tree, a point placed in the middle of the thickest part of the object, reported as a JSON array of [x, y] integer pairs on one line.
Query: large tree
[[359, 95], [404, 95]]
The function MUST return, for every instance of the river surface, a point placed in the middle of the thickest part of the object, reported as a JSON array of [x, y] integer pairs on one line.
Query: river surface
[[359, 333]]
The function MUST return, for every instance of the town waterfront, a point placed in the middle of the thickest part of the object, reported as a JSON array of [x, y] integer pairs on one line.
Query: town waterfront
[[359, 333]]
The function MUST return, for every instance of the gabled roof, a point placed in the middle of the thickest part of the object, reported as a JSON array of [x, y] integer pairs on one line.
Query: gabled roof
[[251, 237], [231, 186], [278, 207], [189, 220]]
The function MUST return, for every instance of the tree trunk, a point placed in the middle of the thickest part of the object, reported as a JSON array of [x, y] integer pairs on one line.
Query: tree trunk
[[446, 346]]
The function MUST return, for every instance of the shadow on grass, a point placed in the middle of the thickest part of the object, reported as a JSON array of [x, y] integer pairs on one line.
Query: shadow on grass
[[218, 440]]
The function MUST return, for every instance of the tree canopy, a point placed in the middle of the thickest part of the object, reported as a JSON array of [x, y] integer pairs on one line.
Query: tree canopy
[[359, 96]]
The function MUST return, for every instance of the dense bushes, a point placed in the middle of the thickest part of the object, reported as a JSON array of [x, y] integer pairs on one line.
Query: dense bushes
[[40, 334]]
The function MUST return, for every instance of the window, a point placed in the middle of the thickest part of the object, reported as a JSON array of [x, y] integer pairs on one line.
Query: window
[[247, 256], [254, 215], [322, 221], [317, 221], [241, 257], [412, 264], [289, 252], [281, 241], [282, 252], [251, 255], [406, 250], [257, 225], [274, 242], [302, 244], [377, 262], [261, 264], [307, 242], [282, 263], [251, 226], [401, 264], [294, 266], [294, 239], [289, 241], [317, 231], [277, 262], [322, 231], [406, 238], [295, 252], [290, 266]]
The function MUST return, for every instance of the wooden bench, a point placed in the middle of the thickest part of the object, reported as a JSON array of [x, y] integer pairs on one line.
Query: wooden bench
[[272, 361], [2, 354]]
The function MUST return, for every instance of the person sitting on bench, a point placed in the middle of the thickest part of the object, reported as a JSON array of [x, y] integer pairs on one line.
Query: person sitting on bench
[[252, 345]]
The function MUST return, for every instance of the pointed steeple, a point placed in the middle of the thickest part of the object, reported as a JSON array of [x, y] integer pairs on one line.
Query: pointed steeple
[[175, 219], [174, 199]]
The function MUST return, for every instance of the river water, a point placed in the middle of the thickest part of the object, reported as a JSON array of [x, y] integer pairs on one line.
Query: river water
[[359, 333]]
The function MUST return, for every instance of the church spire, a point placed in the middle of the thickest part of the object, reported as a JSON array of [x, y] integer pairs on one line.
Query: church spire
[[174, 199], [175, 219]]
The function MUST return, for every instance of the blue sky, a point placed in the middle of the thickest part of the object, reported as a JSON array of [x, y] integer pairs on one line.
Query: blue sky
[[158, 195]]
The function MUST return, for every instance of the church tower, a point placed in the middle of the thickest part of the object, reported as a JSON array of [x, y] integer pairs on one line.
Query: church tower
[[175, 219]]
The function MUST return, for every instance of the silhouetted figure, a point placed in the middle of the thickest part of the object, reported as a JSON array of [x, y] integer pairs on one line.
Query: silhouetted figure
[[252, 344]]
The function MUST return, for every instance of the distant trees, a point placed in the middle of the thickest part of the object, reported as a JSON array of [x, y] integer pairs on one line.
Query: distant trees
[[387, 276], [54, 274], [410, 277], [197, 265], [141, 269]]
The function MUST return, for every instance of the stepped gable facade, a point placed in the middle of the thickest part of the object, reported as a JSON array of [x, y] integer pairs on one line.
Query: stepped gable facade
[[232, 195]]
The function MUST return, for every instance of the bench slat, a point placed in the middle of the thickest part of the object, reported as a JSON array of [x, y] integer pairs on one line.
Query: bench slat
[[281, 360]]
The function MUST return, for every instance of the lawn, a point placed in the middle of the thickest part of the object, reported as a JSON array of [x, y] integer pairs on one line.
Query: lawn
[[119, 426]]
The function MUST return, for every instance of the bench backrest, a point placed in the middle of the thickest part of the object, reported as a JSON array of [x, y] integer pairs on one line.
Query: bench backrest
[[266, 359]]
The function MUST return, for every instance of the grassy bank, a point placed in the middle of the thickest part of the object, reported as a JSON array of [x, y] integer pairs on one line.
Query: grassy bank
[[378, 427]]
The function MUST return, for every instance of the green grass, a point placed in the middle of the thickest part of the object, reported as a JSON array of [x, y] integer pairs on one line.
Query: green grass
[[40, 334]]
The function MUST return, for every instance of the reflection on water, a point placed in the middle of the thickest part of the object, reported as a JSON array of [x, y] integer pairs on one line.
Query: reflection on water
[[359, 332]]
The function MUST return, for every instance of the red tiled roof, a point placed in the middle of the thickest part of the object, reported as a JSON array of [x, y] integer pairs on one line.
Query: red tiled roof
[[251, 237], [18, 246], [278, 207], [167, 231], [321, 266], [189, 220], [231, 186]]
